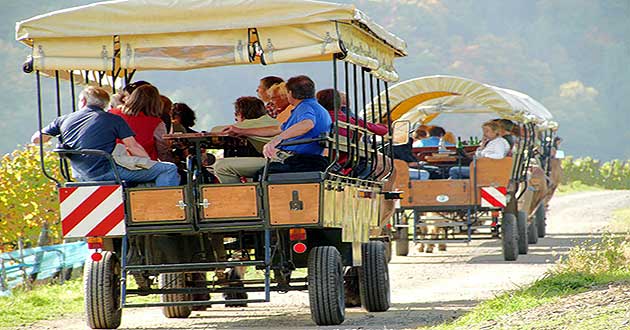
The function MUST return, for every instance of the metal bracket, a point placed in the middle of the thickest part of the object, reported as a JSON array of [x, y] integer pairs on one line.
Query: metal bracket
[[204, 203], [181, 205], [296, 204]]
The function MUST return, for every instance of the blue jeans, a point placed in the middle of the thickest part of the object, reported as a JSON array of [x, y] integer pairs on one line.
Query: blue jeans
[[416, 174], [163, 173], [459, 172]]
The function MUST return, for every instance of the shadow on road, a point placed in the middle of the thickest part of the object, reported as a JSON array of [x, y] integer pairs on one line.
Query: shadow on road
[[406, 315]]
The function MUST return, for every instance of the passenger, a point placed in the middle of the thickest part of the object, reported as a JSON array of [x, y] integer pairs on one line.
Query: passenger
[[93, 128], [279, 99], [166, 112], [142, 111], [250, 112], [506, 128], [435, 134], [307, 121], [262, 91], [449, 138], [492, 146], [182, 118], [422, 132]]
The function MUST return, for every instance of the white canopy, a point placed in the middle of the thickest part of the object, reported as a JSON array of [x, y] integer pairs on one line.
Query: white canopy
[[422, 99], [188, 34]]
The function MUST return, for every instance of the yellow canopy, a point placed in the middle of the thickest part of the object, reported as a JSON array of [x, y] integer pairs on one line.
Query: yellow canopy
[[423, 99], [189, 34]]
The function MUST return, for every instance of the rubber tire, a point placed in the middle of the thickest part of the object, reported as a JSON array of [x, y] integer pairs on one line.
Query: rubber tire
[[326, 286], [541, 221], [402, 241], [532, 232], [509, 237], [374, 277], [101, 280], [521, 227], [174, 281]]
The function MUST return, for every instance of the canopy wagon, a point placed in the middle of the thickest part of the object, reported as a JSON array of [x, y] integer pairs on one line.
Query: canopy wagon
[[500, 195], [315, 220]]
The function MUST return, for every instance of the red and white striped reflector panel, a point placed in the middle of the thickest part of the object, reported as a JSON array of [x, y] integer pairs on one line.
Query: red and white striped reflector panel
[[92, 211], [493, 197]]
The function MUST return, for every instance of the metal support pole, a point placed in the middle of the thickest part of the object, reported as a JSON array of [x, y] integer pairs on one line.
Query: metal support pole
[[39, 130], [267, 265], [72, 93], [123, 271]]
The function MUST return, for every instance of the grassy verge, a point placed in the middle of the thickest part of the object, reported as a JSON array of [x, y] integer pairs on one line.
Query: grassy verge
[[575, 187], [584, 267], [42, 303], [621, 221]]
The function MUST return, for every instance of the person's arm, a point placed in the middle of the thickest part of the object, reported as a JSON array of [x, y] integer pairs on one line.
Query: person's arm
[[162, 147], [254, 131], [37, 136], [298, 129], [134, 148]]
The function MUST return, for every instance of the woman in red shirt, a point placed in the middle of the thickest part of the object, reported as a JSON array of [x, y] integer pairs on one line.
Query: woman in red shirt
[[142, 110]]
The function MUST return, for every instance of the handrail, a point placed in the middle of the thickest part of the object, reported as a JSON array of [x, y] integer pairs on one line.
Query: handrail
[[92, 152]]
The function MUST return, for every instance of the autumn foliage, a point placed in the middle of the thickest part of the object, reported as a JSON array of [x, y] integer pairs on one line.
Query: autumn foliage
[[27, 198]]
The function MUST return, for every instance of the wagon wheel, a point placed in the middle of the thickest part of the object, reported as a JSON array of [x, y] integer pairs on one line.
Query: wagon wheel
[[509, 237], [541, 221], [325, 286], [374, 277], [521, 227], [532, 231], [174, 281], [102, 292]]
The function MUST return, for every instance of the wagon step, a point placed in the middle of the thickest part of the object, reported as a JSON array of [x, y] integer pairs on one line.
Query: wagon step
[[191, 267]]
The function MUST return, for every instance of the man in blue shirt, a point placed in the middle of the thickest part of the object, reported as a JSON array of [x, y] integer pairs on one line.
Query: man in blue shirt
[[308, 120], [435, 134], [93, 128]]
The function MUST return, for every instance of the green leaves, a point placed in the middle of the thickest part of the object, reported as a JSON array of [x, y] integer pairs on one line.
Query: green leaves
[[614, 174], [27, 198]]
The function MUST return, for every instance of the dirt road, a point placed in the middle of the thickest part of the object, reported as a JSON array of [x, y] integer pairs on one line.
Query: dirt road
[[427, 289]]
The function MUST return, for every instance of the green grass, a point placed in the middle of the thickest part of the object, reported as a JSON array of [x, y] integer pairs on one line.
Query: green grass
[[546, 290], [621, 221], [43, 302], [575, 187], [585, 266]]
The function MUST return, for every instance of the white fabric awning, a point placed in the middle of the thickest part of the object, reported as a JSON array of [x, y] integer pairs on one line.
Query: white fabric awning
[[189, 34], [422, 99]]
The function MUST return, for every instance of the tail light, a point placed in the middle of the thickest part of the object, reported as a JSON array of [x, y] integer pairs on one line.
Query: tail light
[[297, 234], [299, 247], [95, 243]]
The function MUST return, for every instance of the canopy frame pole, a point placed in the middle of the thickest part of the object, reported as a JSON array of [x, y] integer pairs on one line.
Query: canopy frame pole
[[366, 133], [115, 73], [72, 97], [356, 156], [333, 159], [39, 130], [390, 139], [63, 164], [347, 113], [374, 154], [380, 121]]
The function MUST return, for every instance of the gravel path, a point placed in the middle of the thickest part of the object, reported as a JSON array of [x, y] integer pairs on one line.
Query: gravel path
[[427, 289]]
